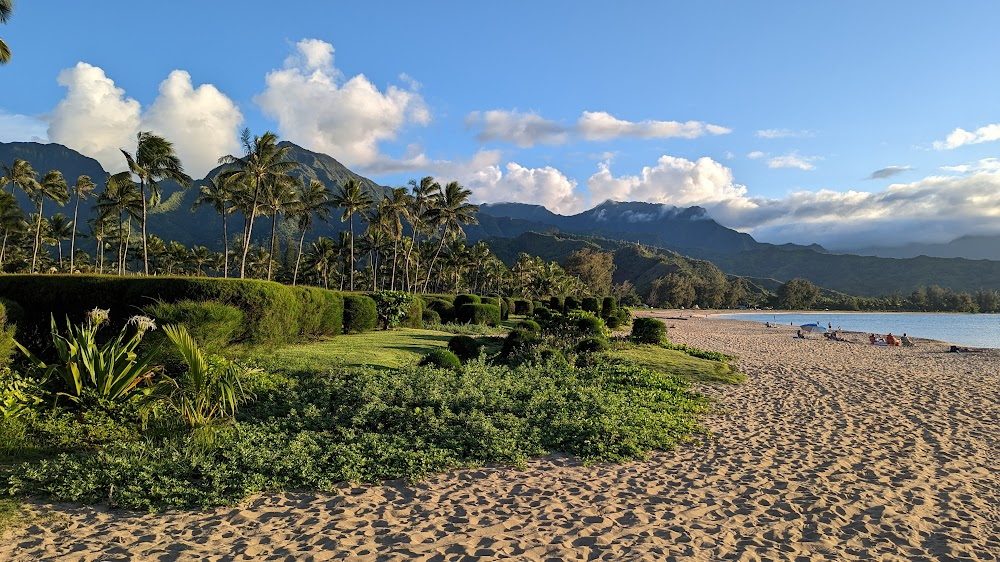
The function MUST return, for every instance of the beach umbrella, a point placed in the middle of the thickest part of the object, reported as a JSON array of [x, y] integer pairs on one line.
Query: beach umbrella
[[818, 328]]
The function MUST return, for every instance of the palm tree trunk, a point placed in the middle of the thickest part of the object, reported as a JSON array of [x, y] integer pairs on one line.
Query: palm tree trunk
[[145, 253], [72, 239], [411, 287], [430, 269], [3, 248], [270, 251], [38, 234], [59, 245], [298, 258], [225, 246], [352, 251], [249, 231], [395, 256]]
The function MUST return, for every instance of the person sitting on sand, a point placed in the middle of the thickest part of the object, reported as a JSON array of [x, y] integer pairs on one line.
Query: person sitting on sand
[[798, 334], [891, 339], [907, 342], [871, 338]]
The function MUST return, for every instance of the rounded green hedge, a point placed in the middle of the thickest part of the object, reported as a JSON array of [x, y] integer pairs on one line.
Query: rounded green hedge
[[609, 306], [360, 314], [523, 307], [461, 300], [430, 317], [571, 303], [465, 347], [591, 304], [557, 304], [530, 325], [590, 326], [481, 314], [212, 324], [648, 330], [518, 339], [592, 345], [441, 358]]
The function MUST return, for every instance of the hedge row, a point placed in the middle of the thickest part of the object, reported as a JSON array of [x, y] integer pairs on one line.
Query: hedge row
[[272, 313]]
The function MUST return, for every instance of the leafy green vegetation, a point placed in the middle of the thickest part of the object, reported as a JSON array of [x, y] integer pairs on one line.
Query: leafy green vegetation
[[679, 363]]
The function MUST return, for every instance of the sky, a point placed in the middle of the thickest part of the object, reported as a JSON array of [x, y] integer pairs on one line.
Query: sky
[[848, 124]]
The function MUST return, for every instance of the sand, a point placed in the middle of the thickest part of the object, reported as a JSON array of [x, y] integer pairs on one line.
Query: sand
[[830, 451]]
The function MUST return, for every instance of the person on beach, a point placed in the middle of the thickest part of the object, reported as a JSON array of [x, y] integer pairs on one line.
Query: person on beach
[[906, 341], [891, 339]]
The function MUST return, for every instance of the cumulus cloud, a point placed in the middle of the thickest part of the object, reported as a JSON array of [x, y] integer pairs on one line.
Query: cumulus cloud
[[783, 134], [888, 172], [528, 129], [542, 186], [961, 137], [986, 164], [347, 119], [97, 119], [200, 121], [15, 127], [672, 181], [793, 160]]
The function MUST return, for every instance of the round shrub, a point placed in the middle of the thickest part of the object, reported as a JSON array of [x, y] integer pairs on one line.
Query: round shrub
[[517, 340], [557, 304], [430, 316], [648, 330], [608, 307], [490, 300], [443, 308], [466, 299], [590, 325], [442, 359], [592, 345], [465, 347], [360, 314], [543, 315], [523, 307], [530, 325], [591, 304], [482, 314], [571, 303], [414, 317], [613, 322], [547, 355], [504, 309]]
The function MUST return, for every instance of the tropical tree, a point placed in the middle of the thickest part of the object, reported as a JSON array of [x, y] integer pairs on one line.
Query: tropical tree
[[19, 175], [53, 186], [281, 195], [220, 196], [449, 211], [119, 199], [351, 197], [60, 228], [397, 204], [322, 258], [154, 161], [6, 8], [199, 257], [11, 220], [416, 215], [262, 164], [83, 187], [314, 201]]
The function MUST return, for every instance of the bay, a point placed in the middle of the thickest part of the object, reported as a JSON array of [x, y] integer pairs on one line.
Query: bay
[[971, 330]]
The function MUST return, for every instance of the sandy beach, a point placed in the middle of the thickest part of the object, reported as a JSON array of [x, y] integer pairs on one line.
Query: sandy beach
[[829, 451]]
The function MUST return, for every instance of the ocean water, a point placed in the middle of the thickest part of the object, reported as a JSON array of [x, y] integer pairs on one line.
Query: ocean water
[[972, 330]]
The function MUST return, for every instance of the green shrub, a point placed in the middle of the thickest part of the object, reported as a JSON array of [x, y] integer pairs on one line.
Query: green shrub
[[547, 355], [414, 317], [613, 321], [523, 307], [6, 338], [557, 304], [591, 304], [391, 307], [360, 314], [442, 359], [465, 299], [444, 309], [648, 330], [321, 312], [518, 340], [212, 324], [592, 344], [430, 317], [490, 300], [543, 314], [608, 307], [505, 307], [485, 314], [588, 325], [465, 347], [530, 325], [571, 303]]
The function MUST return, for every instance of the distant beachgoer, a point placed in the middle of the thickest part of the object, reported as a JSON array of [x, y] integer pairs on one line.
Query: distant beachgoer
[[891, 339], [872, 339], [829, 325], [799, 335], [907, 342]]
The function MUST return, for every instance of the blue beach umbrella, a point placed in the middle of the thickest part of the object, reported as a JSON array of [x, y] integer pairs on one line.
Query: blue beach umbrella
[[818, 328]]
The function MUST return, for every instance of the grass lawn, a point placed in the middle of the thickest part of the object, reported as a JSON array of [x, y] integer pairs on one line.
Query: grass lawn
[[388, 349], [691, 369]]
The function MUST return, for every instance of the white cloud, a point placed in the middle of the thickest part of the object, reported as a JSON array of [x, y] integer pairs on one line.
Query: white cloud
[[528, 129], [755, 155], [15, 127], [793, 160], [542, 186], [202, 122], [888, 172], [984, 165], [961, 137], [97, 119], [345, 119], [783, 134], [672, 181]]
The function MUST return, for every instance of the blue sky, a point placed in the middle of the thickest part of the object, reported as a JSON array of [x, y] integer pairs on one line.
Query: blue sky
[[848, 124]]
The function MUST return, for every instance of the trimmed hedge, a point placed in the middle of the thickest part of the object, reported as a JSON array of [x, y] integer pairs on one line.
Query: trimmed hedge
[[212, 324], [273, 313], [508, 304], [609, 307], [465, 347], [441, 358], [360, 314], [461, 300], [430, 317], [592, 345], [517, 340], [414, 317], [444, 309], [530, 325], [648, 330], [523, 307], [590, 326], [485, 314], [557, 304], [571, 303], [591, 304], [6, 338]]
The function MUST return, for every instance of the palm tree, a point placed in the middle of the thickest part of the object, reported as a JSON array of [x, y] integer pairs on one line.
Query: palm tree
[[53, 186], [200, 256], [11, 219], [321, 258], [263, 163], [351, 197], [19, 174], [313, 201], [281, 195], [219, 195], [450, 210], [154, 160], [83, 187], [415, 215], [397, 203], [61, 228], [6, 8], [119, 199]]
